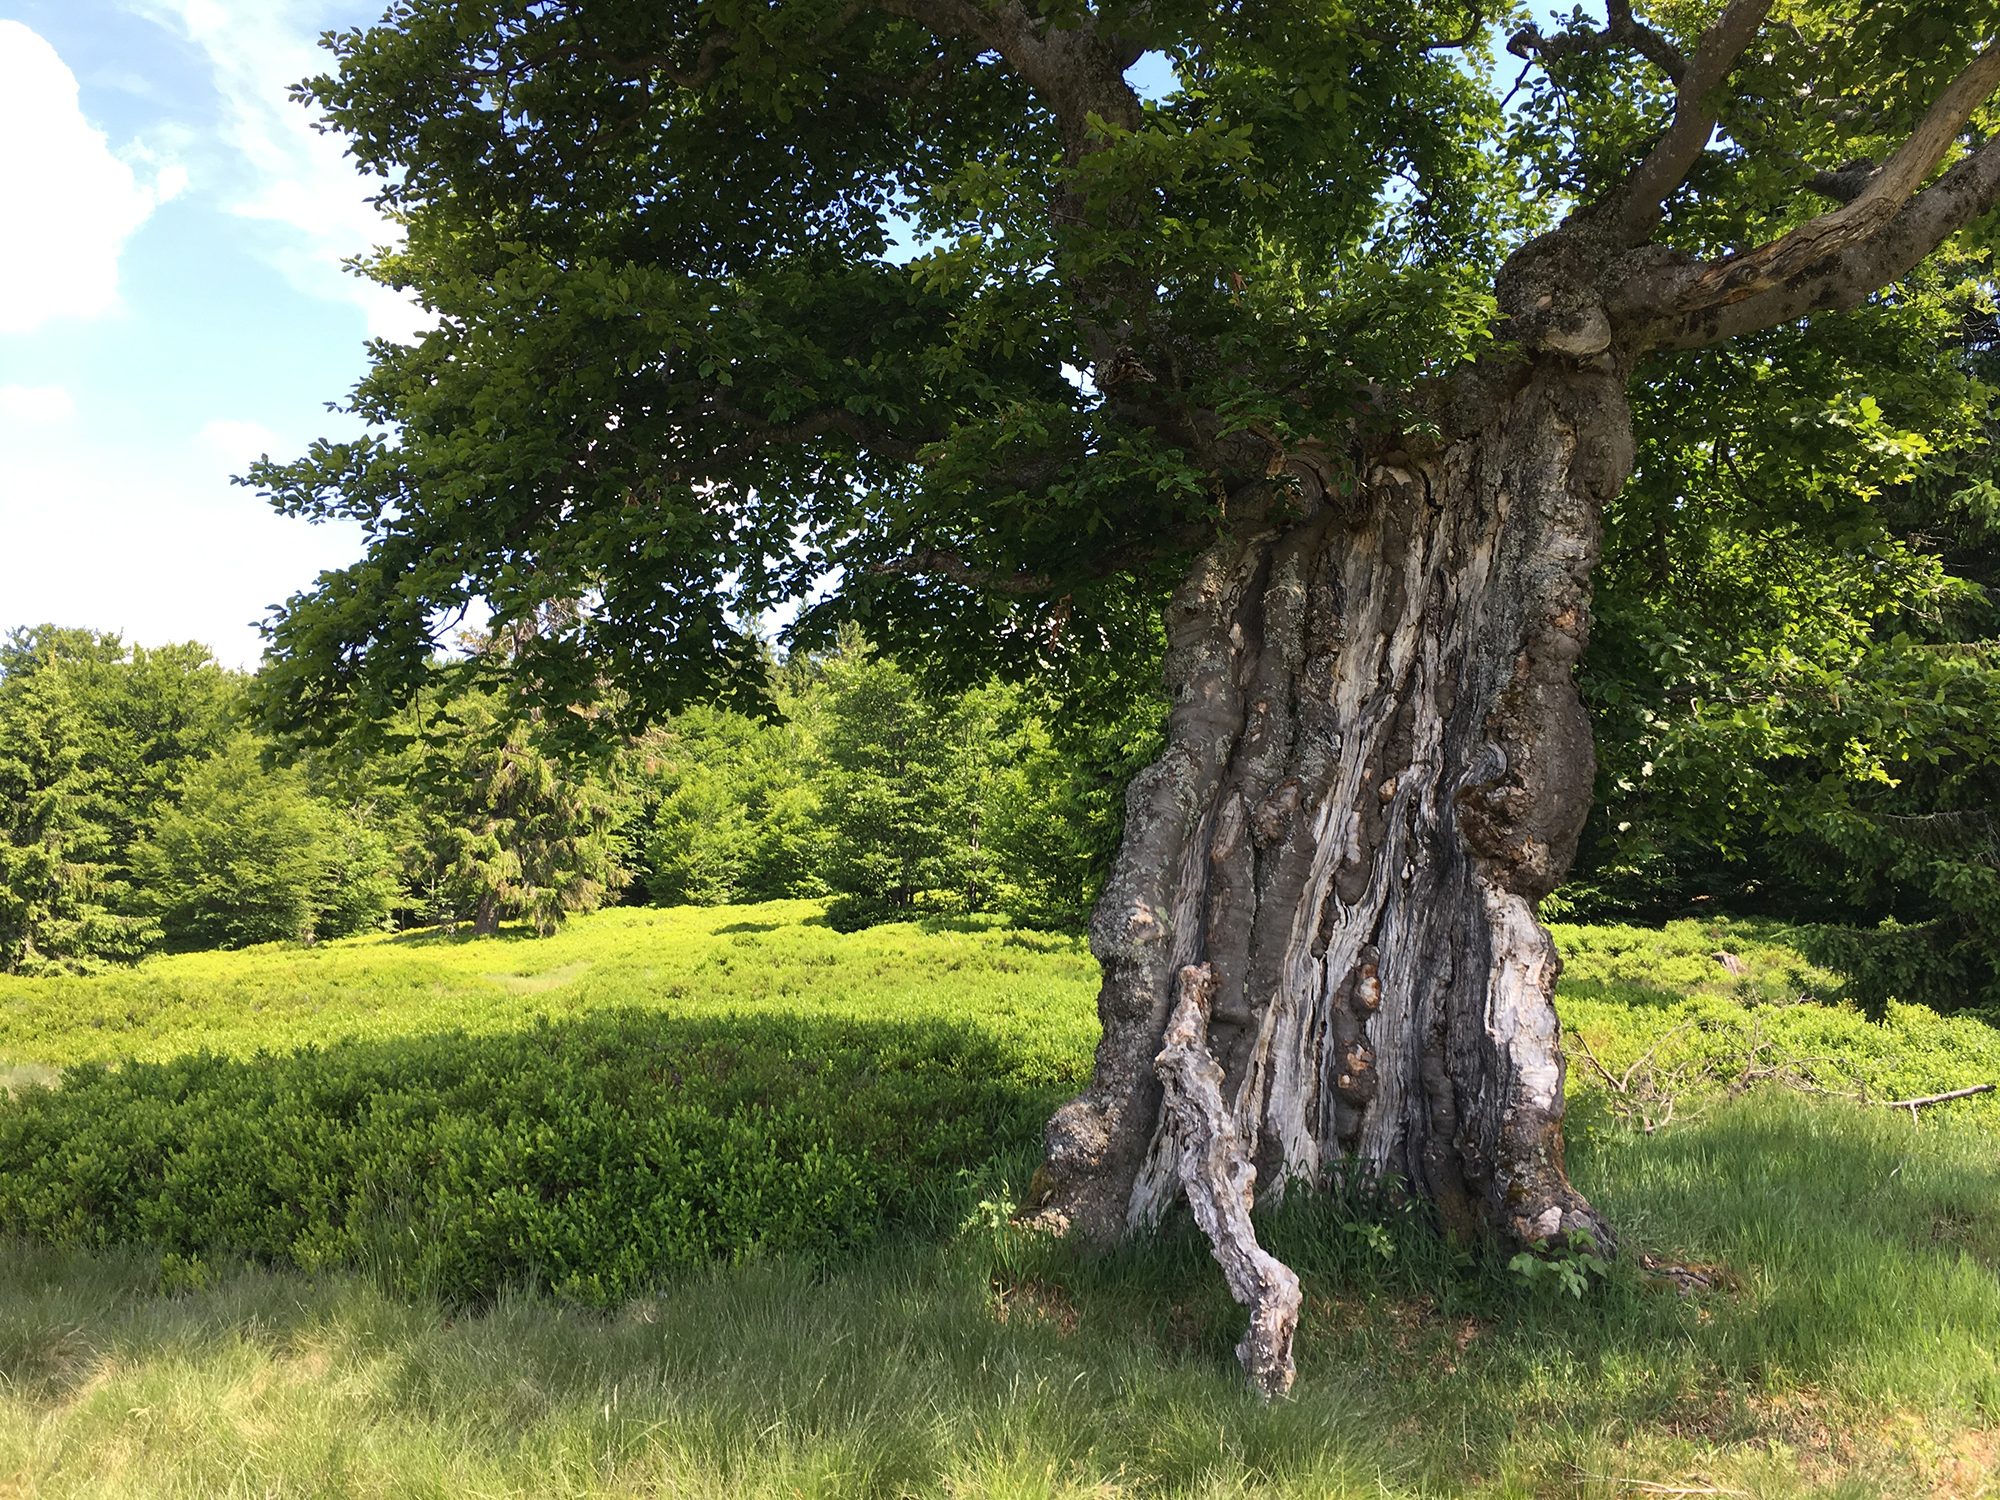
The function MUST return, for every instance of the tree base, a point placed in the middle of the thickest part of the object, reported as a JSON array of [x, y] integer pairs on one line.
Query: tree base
[[1377, 764]]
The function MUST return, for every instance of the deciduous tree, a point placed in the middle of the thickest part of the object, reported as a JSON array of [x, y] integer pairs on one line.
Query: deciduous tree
[[249, 855], [1327, 355]]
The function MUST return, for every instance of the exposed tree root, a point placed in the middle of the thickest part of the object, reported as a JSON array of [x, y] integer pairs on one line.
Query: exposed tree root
[[1218, 1178]]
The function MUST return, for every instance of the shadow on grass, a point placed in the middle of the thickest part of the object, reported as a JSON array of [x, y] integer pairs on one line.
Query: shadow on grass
[[1001, 1363], [1848, 1252], [590, 1156], [1862, 1249]]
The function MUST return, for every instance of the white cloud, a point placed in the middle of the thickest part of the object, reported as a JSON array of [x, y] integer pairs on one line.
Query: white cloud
[[239, 444], [299, 178], [35, 403], [68, 202], [145, 539]]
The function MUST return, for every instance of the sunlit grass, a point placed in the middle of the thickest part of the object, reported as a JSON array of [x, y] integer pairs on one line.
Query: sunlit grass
[[1847, 1346], [1854, 1345], [1032, 990]]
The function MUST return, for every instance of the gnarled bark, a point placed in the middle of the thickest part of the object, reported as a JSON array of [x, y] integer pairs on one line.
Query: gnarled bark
[[1377, 759], [1377, 763], [1219, 1179]]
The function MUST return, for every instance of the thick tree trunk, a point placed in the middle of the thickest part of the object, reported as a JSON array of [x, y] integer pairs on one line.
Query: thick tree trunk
[[1377, 764], [486, 918]]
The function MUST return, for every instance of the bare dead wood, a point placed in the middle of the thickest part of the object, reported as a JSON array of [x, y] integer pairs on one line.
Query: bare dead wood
[[1913, 1105], [1377, 762], [1888, 188], [1651, 1097], [1843, 281], [1918, 1103], [1219, 1179], [1639, 1102]]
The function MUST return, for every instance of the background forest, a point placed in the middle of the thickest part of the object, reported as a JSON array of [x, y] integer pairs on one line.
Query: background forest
[[1793, 676], [1794, 685], [142, 810]]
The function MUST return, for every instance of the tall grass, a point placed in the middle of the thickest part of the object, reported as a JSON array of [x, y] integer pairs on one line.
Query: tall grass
[[1854, 1353], [1845, 1346]]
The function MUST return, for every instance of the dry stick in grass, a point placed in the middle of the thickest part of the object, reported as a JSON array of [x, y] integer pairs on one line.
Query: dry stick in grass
[[1632, 1103], [1913, 1105], [1640, 1088], [1622, 1085]]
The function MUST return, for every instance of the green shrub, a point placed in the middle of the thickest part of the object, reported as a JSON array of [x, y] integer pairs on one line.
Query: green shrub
[[590, 1156], [252, 856]]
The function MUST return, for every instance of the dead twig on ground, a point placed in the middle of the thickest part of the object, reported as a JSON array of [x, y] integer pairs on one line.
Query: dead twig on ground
[[1651, 1096], [1913, 1105]]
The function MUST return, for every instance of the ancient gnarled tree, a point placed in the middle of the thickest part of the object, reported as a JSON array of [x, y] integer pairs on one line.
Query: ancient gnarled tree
[[1323, 351]]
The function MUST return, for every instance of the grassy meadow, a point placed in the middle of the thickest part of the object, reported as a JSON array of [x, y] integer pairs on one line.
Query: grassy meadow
[[167, 1331]]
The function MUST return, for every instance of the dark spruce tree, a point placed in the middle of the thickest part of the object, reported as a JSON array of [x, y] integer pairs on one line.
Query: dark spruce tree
[[1326, 356]]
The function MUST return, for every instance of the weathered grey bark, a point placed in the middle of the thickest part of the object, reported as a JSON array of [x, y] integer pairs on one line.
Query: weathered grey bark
[[1377, 764], [1377, 759], [1219, 1179]]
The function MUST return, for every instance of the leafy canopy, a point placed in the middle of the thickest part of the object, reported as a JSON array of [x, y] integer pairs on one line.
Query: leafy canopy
[[683, 371], [915, 309]]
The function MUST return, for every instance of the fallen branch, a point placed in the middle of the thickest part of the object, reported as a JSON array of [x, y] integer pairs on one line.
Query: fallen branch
[[1648, 1487], [1632, 1102], [1913, 1105], [1218, 1178]]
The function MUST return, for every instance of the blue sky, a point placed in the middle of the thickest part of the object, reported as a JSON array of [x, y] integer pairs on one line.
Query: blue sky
[[171, 305]]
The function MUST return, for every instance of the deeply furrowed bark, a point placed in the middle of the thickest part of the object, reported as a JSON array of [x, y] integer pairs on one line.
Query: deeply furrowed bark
[[1377, 764]]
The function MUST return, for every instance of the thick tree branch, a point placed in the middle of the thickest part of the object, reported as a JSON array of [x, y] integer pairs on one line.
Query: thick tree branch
[[1673, 156], [1888, 187], [1847, 278], [1079, 72], [1844, 183]]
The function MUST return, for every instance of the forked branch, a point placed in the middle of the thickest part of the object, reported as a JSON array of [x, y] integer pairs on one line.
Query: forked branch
[[1845, 278], [1888, 188], [1913, 1105], [1622, 29]]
